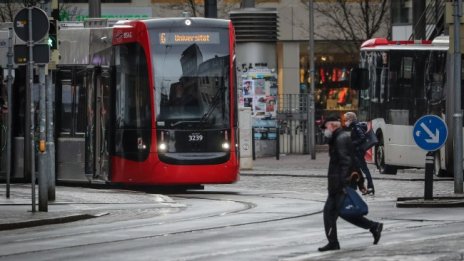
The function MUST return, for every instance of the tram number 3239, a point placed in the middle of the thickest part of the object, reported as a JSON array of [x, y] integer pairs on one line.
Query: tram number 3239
[[195, 137]]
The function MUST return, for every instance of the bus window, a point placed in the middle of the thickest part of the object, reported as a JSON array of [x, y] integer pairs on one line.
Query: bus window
[[374, 97], [419, 104], [435, 77], [400, 88]]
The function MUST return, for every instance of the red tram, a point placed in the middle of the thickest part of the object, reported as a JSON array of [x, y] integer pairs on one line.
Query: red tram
[[148, 102]]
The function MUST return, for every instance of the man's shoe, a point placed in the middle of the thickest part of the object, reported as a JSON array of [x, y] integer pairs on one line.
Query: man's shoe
[[369, 191], [377, 232], [329, 247]]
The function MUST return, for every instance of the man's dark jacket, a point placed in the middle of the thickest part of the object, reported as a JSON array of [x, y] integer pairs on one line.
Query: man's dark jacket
[[340, 164]]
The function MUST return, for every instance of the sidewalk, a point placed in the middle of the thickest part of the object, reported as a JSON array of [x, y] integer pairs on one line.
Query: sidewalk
[[72, 204], [304, 166]]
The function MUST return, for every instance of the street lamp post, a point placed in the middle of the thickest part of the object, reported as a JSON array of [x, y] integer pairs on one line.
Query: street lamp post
[[457, 115], [311, 114]]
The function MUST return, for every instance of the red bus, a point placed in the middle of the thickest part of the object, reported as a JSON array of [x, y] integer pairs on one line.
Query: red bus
[[149, 102]]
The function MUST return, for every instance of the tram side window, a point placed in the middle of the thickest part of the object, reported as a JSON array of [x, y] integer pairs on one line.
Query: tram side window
[[80, 110], [132, 90], [72, 113], [66, 108]]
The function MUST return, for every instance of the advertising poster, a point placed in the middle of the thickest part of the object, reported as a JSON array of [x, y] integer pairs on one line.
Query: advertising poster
[[247, 87], [260, 87], [260, 106], [259, 92]]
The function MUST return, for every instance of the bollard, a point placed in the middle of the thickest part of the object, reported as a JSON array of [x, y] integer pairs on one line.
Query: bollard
[[253, 143], [246, 161], [428, 187], [277, 144]]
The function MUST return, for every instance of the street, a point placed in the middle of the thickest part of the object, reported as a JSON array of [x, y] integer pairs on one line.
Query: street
[[262, 217]]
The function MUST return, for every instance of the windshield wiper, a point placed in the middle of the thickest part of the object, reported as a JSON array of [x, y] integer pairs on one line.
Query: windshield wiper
[[182, 122]]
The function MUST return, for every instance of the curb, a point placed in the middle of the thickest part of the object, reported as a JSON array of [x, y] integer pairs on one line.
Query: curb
[[436, 202], [49, 221]]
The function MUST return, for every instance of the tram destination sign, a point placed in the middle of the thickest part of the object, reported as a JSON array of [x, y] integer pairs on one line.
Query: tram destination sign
[[430, 132], [189, 38]]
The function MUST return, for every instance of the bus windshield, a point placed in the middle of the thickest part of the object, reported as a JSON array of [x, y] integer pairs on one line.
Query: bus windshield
[[191, 79]]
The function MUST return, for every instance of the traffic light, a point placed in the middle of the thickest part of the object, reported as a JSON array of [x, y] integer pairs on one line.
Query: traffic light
[[52, 36]]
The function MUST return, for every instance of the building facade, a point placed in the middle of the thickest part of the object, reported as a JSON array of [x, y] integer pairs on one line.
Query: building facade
[[338, 35]]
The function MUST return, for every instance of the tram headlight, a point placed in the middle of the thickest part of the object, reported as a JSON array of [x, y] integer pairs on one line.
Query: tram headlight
[[226, 145], [162, 147]]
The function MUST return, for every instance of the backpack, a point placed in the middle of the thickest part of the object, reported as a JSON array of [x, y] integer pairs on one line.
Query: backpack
[[363, 126], [370, 139]]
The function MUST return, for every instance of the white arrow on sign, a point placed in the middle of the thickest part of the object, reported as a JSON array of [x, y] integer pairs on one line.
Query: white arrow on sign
[[434, 138]]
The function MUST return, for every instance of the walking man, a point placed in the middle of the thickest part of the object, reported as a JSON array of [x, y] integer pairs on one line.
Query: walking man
[[340, 165]]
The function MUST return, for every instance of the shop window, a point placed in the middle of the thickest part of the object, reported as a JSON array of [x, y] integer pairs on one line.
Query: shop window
[[332, 93]]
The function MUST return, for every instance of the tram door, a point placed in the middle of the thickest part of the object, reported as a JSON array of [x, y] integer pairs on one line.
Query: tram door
[[98, 111]]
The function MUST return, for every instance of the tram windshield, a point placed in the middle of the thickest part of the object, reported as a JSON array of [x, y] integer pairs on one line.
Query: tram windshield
[[191, 73]]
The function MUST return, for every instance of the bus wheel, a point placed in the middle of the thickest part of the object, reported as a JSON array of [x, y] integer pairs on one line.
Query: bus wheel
[[380, 160]]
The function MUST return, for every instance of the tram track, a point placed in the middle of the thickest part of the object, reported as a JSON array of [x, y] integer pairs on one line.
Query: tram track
[[244, 206]]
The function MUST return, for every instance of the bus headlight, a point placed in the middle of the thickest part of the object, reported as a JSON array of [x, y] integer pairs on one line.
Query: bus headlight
[[226, 145], [162, 147]]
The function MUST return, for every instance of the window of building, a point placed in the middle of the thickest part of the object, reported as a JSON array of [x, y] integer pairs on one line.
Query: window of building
[[401, 11]]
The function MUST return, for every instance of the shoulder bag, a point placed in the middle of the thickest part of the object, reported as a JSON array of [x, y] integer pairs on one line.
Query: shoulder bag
[[352, 204], [369, 141]]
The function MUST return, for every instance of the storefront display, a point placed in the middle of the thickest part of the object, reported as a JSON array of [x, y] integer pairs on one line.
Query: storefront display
[[332, 93]]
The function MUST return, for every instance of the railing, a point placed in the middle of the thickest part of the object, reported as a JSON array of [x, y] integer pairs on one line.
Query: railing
[[292, 118]]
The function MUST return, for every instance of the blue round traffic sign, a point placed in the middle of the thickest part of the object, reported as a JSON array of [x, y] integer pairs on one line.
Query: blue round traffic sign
[[430, 132]]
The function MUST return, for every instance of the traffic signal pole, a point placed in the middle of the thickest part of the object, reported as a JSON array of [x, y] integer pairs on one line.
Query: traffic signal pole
[[29, 160], [457, 115], [31, 25], [311, 106], [50, 141], [10, 109]]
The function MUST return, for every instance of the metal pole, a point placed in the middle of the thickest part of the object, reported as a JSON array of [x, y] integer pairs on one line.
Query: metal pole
[[211, 8], [457, 115], [311, 108], [50, 140], [29, 162], [277, 143], [253, 152], [94, 8], [428, 186], [10, 109], [43, 179]]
